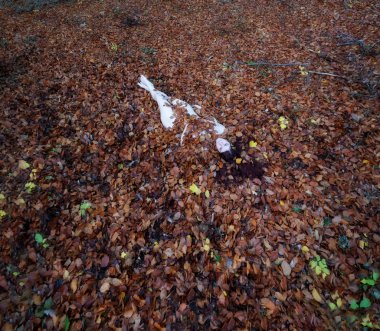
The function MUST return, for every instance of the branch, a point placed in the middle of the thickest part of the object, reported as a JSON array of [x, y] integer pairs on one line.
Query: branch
[[326, 74], [269, 64]]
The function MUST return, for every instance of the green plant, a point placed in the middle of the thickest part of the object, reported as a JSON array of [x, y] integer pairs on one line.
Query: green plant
[[372, 280], [30, 186], [120, 166], [40, 240], [2, 214], [114, 47], [83, 208], [364, 303], [320, 266]]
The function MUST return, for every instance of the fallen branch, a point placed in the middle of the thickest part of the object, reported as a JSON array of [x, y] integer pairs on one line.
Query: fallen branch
[[269, 64], [326, 74]]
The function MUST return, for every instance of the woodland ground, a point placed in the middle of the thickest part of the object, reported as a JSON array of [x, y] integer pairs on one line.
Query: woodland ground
[[98, 226]]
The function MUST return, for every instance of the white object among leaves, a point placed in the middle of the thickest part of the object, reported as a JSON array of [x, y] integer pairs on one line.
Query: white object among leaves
[[165, 104], [222, 145]]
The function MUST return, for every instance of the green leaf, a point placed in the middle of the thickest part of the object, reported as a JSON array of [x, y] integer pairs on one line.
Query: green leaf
[[39, 238], [194, 189], [368, 281], [318, 270], [66, 323], [297, 209], [48, 303], [354, 304], [365, 303], [375, 276], [313, 264], [332, 305]]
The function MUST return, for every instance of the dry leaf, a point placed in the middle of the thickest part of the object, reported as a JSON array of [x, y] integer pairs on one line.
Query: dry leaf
[[316, 295], [286, 269]]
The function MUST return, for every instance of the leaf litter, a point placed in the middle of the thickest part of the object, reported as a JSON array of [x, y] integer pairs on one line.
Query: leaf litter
[[151, 251]]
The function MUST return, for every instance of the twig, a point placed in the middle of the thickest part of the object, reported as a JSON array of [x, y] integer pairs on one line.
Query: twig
[[269, 64], [183, 133], [326, 74]]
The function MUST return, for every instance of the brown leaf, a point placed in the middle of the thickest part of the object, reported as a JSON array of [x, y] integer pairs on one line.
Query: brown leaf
[[286, 269], [268, 304], [105, 261], [105, 287]]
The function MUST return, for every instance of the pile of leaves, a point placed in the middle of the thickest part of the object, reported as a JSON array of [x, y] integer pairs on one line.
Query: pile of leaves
[[107, 222]]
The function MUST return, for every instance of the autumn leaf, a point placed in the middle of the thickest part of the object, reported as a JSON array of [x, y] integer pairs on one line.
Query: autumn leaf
[[23, 165], [252, 144], [268, 304], [316, 295], [194, 189]]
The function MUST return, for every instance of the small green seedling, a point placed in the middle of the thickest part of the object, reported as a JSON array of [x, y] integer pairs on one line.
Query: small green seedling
[[83, 208], [364, 303], [40, 240], [2, 214], [30, 186], [370, 281], [114, 47], [320, 266], [120, 166]]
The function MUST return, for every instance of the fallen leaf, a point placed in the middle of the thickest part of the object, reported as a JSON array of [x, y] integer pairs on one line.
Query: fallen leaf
[[105, 287], [286, 269], [194, 189], [268, 304], [23, 165], [316, 295]]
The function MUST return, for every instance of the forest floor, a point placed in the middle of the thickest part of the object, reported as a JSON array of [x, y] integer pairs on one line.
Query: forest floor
[[99, 228]]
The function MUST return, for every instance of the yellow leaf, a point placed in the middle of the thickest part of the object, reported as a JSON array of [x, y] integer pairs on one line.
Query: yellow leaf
[[317, 296], [206, 245], [365, 161], [238, 160], [194, 189], [2, 214], [362, 244], [339, 302], [2, 196], [252, 144], [23, 164], [305, 249], [282, 203], [123, 255], [207, 194]]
